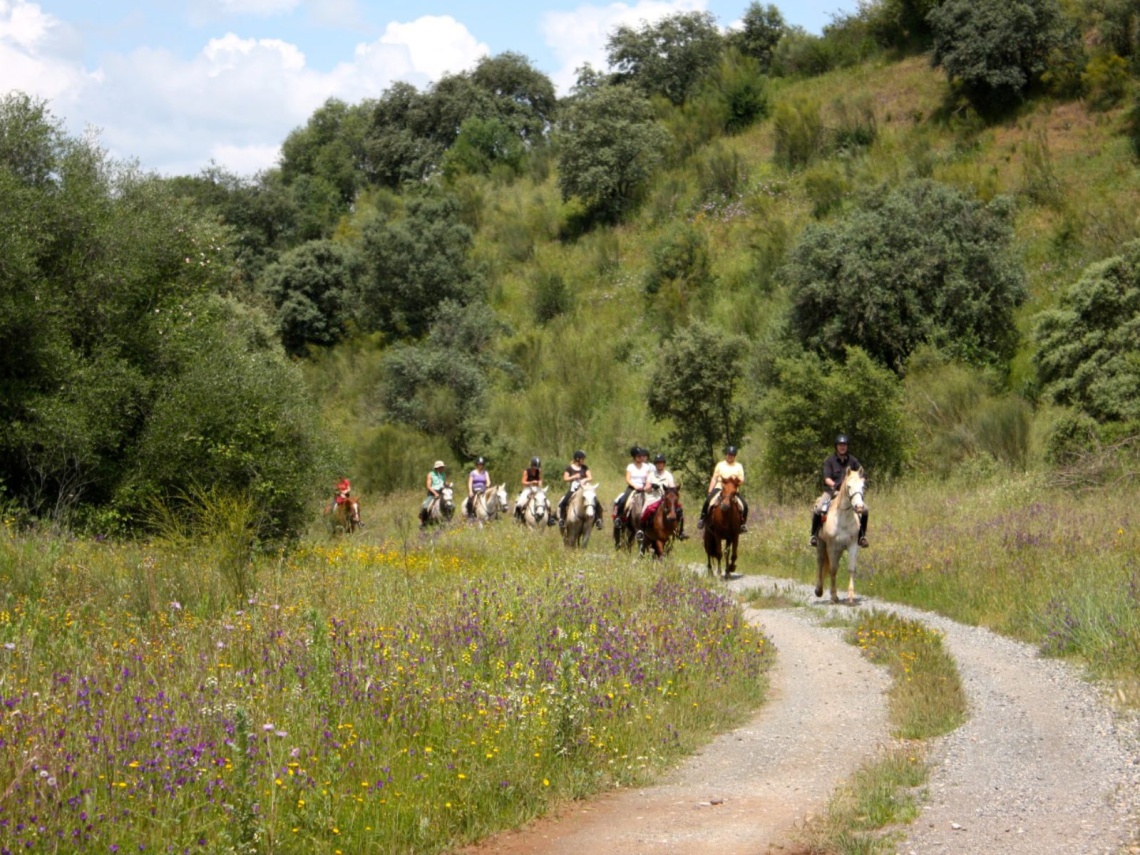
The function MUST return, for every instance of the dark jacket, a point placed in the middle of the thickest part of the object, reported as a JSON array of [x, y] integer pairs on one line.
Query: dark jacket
[[835, 469]]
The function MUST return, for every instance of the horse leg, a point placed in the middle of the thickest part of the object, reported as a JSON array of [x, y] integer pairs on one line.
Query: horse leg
[[820, 567], [833, 569], [852, 552], [733, 546]]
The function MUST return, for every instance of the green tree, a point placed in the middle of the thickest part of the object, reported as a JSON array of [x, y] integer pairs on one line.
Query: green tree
[[483, 145], [695, 389], [608, 147], [331, 147], [761, 29], [312, 288], [439, 386], [921, 264], [812, 400], [524, 97], [668, 58], [413, 264], [994, 49], [1088, 349]]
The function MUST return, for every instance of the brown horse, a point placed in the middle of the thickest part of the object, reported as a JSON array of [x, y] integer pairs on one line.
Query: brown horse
[[346, 516], [657, 532], [722, 526]]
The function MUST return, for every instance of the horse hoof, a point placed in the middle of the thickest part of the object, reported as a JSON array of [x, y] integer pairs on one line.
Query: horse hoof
[[819, 592]]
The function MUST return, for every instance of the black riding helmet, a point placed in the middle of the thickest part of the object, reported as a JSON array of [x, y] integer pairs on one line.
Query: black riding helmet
[[579, 455], [480, 462], [730, 450], [534, 461], [635, 451], [660, 458], [841, 439]]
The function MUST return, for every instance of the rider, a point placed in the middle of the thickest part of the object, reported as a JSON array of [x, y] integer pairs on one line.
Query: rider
[[637, 480], [574, 474], [661, 478], [435, 481], [478, 481], [727, 468], [532, 482], [834, 470], [341, 493]]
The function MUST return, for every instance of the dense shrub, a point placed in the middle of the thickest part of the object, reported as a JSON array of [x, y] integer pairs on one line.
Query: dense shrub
[[994, 49], [921, 264], [1105, 80], [799, 132], [1088, 354], [552, 296], [812, 400], [312, 287]]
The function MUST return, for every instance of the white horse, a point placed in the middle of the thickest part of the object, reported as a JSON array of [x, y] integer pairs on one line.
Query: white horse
[[440, 509], [490, 503], [839, 533], [581, 511], [536, 509]]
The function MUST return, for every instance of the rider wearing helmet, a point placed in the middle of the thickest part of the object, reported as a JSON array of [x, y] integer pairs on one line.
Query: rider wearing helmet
[[660, 479], [834, 470], [478, 481], [637, 480], [574, 474], [727, 468], [531, 481]]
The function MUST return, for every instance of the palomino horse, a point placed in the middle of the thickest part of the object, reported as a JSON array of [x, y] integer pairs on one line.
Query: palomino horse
[[346, 516], [536, 509], [630, 522], [489, 504], [657, 531], [441, 509], [839, 533], [722, 526], [581, 512]]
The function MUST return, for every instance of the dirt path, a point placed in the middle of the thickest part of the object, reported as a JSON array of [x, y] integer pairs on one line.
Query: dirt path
[[1042, 767], [747, 789]]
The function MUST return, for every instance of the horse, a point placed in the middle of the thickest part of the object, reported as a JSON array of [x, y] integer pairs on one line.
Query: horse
[[657, 531], [536, 509], [840, 533], [346, 516], [487, 506], [581, 511], [627, 526], [441, 508], [722, 526]]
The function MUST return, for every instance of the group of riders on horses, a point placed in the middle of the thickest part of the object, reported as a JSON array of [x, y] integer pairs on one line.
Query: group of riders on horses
[[643, 481]]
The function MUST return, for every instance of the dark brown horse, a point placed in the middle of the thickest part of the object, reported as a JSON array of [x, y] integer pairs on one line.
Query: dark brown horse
[[722, 526], [656, 533]]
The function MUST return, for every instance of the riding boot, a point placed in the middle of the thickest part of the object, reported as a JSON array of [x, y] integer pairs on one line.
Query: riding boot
[[681, 525], [816, 522], [597, 515], [863, 528]]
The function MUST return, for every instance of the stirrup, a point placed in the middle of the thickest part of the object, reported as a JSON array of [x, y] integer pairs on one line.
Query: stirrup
[[863, 542], [814, 540], [700, 525], [744, 528]]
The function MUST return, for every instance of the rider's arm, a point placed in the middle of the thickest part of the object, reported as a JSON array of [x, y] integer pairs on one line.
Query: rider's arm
[[524, 481], [586, 476], [567, 475], [712, 482], [470, 477], [427, 485]]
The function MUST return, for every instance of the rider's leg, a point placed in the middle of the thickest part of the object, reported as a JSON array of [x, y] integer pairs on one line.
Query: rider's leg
[[560, 519], [619, 507], [743, 514], [816, 522], [704, 511], [681, 524], [863, 527], [597, 514]]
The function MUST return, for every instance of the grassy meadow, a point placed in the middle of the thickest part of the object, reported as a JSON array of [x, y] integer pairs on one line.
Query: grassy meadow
[[374, 694]]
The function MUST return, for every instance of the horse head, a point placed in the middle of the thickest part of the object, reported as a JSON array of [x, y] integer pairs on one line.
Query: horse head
[[538, 503], [589, 493], [501, 496], [447, 499], [669, 502], [853, 485]]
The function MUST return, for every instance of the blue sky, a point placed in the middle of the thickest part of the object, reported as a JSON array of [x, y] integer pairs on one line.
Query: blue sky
[[176, 84]]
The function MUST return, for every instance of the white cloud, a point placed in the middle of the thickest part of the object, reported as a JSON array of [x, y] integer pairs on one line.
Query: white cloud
[[435, 44], [235, 101], [579, 36], [33, 57]]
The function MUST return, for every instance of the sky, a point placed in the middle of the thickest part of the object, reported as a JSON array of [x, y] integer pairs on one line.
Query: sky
[[179, 84]]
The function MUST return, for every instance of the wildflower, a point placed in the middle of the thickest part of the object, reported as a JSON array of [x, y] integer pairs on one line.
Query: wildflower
[[175, 605]]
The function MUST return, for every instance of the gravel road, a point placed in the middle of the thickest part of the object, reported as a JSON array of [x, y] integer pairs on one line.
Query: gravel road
[[1042, 766]]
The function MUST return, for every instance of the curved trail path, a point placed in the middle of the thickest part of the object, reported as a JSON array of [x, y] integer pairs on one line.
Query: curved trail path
[[1041, 767]]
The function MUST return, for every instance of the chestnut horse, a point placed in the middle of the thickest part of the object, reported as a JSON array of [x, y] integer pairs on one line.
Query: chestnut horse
[[346, 516], [657, 531], [722, 526]]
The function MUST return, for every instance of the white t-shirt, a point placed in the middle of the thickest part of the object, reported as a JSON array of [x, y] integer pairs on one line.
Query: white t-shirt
[[639, 474], [661, 480]]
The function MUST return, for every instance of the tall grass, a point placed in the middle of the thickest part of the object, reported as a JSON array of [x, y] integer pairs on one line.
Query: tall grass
[[372, 694]]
